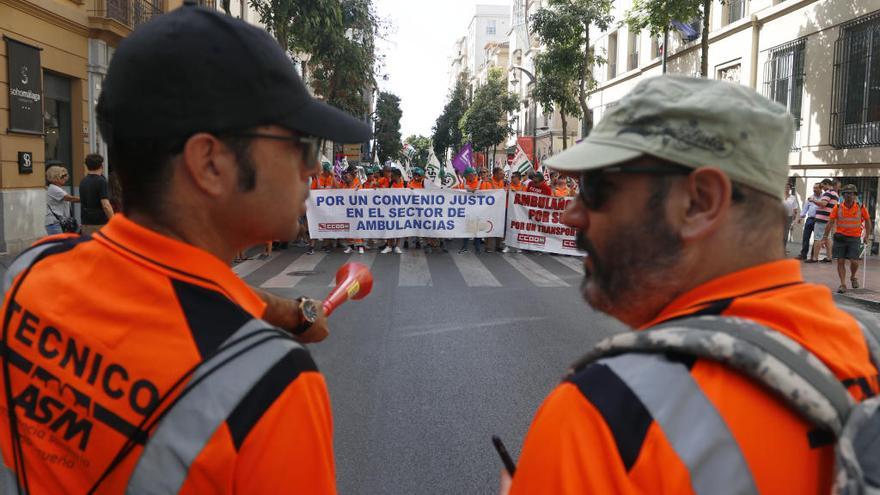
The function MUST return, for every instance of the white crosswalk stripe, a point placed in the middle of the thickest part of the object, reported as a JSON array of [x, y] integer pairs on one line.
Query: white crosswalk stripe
[[364, 259], [574, 262], [287, 279], [474, 271], [245, 268], [414, 271], [536, 273]]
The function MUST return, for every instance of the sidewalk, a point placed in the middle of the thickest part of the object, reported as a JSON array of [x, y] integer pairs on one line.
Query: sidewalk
[[868, 296]]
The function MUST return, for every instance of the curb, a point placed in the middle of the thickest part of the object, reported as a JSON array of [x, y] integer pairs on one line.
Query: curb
[[846, 300]]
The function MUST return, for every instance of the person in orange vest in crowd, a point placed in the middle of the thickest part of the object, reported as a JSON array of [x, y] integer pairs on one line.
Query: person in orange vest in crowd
[[418, 179], [164, 373], [673, 423], [396, 182], [516, 183], [372, 181], [560, 189], [846, 222], [496, 182], [385, 179], [538, 185], [471, 183], [351, 181], [325, 180]]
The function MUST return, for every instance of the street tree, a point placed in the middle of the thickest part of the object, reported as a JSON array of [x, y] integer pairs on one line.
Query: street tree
[[657, 17], [563, 69], [387, 120], [447, 134], [422, 146], [298, 26], [485, 122]]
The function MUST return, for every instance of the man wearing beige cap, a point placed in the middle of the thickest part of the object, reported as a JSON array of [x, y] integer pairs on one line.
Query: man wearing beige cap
[[846, 222], [708, 160]]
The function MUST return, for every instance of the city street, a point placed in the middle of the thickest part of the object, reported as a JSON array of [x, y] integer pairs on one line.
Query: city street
[[448, 350]]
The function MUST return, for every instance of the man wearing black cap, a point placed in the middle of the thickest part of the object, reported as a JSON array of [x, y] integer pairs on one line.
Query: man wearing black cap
[[162, 376]]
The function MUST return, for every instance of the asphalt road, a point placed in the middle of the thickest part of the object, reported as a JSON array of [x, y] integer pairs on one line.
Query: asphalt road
[[448, 350]]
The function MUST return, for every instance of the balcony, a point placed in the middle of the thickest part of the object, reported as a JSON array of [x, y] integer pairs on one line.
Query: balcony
[[117, 18]]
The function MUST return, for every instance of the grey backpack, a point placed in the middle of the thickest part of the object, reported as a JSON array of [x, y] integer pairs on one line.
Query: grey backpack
[[787, 369]]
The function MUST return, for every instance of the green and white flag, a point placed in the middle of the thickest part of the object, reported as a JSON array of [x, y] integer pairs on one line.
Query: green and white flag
[[521, 162]]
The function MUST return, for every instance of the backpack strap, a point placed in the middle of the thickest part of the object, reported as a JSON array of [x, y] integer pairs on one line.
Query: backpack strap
[[765, 355], [870, 326]]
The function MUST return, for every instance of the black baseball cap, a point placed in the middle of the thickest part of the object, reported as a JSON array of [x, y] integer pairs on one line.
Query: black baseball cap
[[197, 70]]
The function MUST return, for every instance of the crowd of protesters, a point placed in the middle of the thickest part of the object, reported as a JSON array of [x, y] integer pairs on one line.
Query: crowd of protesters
[[376, 177], [837, 227]]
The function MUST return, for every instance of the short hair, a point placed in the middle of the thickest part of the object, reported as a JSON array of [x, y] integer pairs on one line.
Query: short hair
[[515, 174], [94, 161], [55, 172], [396, 171], [497, 169]]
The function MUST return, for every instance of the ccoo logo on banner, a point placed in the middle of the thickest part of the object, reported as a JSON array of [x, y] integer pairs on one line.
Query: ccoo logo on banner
[[534, 221]]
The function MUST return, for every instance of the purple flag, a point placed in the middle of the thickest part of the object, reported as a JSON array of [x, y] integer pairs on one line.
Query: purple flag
[[464, 158]]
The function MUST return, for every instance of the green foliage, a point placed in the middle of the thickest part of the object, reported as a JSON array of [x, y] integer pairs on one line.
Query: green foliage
[[485, 121], [422, 145], [387, 119], [563, 68], [447, 133], [339, 38], [657, 15]]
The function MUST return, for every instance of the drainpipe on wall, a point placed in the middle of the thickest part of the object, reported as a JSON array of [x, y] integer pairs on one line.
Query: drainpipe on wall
[[756, 35]]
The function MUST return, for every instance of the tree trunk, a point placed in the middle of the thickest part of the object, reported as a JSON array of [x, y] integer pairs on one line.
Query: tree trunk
[[704, 41], [587, 121], [564, 130], [494, 151]]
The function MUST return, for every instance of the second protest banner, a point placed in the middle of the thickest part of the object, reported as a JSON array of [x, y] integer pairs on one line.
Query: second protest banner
[[394, 213], [534, 222]]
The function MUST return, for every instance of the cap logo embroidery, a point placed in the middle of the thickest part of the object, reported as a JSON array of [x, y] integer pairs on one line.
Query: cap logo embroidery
[[683, 137]]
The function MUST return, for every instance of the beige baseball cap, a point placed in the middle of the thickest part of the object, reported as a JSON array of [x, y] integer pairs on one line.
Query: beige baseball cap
[[694, 122]]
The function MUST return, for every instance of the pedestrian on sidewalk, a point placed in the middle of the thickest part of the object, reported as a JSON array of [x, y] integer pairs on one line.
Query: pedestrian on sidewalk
[[809, 212], [825, 205], [57, 199], [847, 221], [94, 196], [791, 212], [709, 160]]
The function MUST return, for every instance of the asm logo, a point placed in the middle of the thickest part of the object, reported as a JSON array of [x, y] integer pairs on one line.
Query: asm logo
[[531, 239], [568, 243], [334, 227]]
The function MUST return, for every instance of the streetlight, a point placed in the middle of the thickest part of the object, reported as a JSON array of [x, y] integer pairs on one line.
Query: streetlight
[[534, 110]]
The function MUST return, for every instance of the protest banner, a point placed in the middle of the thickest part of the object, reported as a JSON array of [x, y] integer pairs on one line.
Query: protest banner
[[394, 213], [534, 222]]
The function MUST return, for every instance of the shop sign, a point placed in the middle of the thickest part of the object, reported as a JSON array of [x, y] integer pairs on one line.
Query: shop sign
[[25, 87], [25, 162]]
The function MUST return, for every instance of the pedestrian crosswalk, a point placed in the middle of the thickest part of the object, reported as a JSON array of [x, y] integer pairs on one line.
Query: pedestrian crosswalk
[[413, 269]]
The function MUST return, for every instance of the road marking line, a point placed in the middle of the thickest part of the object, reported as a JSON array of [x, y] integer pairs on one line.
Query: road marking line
[[536, 274], [414, 271], [444, 328], [285, 281], [474, 271], [245, 268], [575, 263], [364, 259]]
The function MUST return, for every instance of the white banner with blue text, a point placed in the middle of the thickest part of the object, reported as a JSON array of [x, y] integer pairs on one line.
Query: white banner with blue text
[[394, 213]]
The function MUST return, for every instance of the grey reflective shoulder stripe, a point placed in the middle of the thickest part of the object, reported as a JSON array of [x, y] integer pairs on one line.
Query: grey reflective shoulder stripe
[[691, 423], [8, 483], [813, 387], [182, 434], [871, 331], [23, 261]]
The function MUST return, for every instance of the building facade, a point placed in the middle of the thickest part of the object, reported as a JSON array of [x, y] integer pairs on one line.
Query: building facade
[[819, 58]]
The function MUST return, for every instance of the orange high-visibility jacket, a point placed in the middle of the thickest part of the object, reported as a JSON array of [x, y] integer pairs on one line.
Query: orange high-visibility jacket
[[594, 434], [101, 328], [849, 219]]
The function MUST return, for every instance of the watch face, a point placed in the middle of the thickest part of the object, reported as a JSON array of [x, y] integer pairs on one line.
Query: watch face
[[310, 310]]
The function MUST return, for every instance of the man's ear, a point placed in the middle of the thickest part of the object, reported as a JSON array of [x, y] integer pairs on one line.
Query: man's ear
[[209, 164], [706, 201]]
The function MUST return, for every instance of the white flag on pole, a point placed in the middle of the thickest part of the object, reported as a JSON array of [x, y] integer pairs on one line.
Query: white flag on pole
[[521, 162]]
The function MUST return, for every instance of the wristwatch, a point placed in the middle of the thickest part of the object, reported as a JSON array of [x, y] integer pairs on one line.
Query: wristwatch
[[308, 308]]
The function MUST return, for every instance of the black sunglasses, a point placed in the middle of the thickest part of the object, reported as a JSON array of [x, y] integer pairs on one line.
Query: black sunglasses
[[595, 189], [311, 145]]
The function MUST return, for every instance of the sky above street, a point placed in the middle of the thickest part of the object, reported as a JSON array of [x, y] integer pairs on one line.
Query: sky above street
[[417, 54]]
